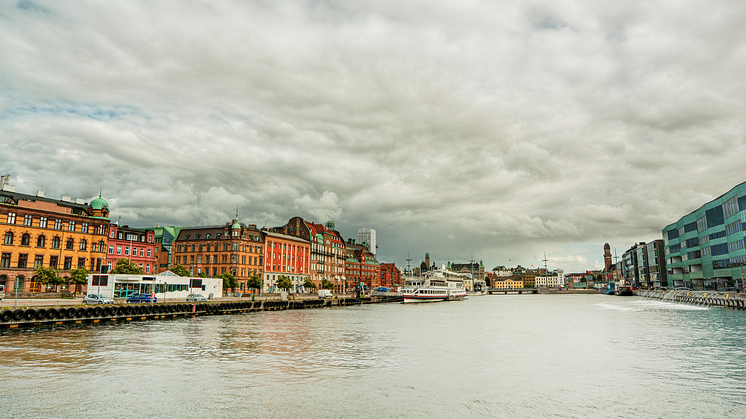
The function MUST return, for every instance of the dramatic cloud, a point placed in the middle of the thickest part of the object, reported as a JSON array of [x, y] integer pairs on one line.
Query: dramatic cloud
[[492, 130]]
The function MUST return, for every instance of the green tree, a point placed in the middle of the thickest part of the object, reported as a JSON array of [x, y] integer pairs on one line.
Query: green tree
[[487, 281], [78, 277], [229, 280], [126, 266], [49, 276], [202, 274], [327, 285], [254, 282], [308, 284], [284, 283], [180, 270]]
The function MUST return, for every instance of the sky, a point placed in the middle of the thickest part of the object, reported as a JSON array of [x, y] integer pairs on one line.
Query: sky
[[494, 130]]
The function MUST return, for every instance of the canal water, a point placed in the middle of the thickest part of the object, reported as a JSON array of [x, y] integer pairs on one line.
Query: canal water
[[506, 356]]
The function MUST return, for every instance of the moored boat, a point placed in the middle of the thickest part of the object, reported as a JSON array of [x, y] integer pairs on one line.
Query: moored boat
[[438, 285]]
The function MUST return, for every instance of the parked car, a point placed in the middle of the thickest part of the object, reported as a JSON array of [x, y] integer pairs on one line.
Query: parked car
[[142, 298], [97, 299], [193, 298]]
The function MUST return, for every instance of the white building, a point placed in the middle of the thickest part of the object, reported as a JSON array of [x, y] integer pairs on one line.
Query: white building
[[166, 286], [502, 271], [367, 236], [551, 280]]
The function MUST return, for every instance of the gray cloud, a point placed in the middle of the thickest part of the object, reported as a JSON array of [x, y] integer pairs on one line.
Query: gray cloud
[[499, 130]]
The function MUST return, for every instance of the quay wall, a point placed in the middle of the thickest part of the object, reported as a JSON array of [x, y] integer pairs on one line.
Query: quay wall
[[45, 316], [706, 298]]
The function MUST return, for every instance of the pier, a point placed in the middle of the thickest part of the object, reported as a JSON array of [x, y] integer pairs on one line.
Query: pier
[[44, 316]]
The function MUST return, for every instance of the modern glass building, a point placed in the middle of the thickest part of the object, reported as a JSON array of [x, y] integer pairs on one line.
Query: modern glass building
[[706, 249]]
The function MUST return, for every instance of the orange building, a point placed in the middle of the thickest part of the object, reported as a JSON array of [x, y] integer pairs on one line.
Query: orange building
[[234, 248], [61, 234], [288, 256], [390, 275]]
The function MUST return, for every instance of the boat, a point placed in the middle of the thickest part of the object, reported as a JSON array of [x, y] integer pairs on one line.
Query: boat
[[437, 285], [623, 290], [609, 289]]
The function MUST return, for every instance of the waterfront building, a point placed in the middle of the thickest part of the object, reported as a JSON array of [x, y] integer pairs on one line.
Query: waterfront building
[[62, 234], [656, 269], [553, 279], [476, 282], [135, 245], [214, 250], [390, 275], [502, 271], [328, 252], [361, 267], [285, 255], [367, 237], [165, 286], [706, 249], [512, 282]]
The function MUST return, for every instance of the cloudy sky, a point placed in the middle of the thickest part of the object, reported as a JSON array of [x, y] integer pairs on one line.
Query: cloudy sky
[[497, 130]]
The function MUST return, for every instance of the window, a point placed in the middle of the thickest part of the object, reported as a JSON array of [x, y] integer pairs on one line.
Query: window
[[43, 222], [111, 249], [38, 261], [5, 261], [56, 242], [25, 239], [40, 241], [57, 224], [81, 263], [83, 244], [28, 220], [733, 227], [119, 250], [126, 250], [68, 263], [111, 234], [11, 218], [715, 216], [8, 238], [730, 207], [149, 252], [142, 252], [719, 249], [22, 260], [84, 228], [70, 244], [178, 260], [53, 261], [71, 226]]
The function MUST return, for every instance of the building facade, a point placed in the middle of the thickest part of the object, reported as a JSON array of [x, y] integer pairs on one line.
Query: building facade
[[328, 252], [361, 267], [136, 245], [390, 275], [60, 234], [164, 239], [367, 237], [285, 255], [211, 251], [706, 249]]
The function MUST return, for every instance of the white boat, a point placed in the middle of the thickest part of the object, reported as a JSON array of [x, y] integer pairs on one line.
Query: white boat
[[439, 285]]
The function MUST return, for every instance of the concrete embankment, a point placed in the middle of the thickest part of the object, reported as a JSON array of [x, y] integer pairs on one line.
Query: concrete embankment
[[707, 298], [42, 316]]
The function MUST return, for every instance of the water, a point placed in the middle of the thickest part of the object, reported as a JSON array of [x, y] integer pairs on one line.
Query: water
[[507, 356]]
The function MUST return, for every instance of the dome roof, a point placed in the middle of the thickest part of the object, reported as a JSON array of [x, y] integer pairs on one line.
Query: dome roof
[[235, 225], [99, 203]]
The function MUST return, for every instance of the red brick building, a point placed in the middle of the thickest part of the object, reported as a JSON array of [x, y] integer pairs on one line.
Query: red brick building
[[390, 275], [285, 255], [361, 267], [136, 245]]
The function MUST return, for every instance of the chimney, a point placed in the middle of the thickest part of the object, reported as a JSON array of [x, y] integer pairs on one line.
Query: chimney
[[40, 194]]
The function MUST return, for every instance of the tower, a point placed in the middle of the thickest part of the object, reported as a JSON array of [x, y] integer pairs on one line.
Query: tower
[[607, 257], [367, 236]]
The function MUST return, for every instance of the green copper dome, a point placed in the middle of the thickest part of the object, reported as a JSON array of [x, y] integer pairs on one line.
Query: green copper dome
[[99, 203], [236, 226]]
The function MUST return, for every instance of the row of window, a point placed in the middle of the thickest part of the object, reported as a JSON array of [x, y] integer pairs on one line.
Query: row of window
[[41, 241], [57, 223], [127, 251], [214, 247], [214, 259], [23, 261]]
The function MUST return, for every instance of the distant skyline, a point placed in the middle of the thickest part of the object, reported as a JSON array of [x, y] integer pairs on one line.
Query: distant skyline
[[501, 130]]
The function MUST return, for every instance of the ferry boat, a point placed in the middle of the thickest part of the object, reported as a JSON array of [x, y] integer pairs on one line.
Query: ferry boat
[[439, 285], [609, 289]]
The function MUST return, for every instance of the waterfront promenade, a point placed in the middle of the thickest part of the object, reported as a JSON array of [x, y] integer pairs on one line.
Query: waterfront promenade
[[703, 298]]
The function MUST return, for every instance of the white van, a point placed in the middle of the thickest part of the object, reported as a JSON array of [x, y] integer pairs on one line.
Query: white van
[[325, 294]]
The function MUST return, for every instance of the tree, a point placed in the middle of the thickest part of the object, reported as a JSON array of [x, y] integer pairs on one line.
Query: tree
[[48, 276], [180, 270], [78, 277], [284, 283], [126, 266], [308, 284], [327, 285], [255, 282], [229, 280], [487, 280], [202, 274]]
